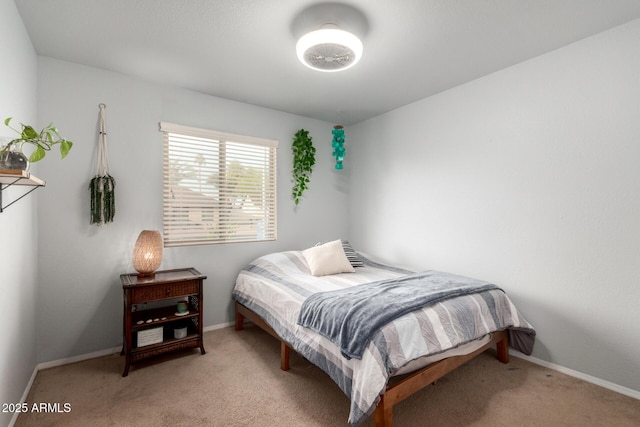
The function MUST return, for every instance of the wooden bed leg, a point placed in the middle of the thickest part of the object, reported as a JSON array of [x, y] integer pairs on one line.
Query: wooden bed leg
[[284, 356], [239, 321], [242, 312], [383, 415], [503, 349]]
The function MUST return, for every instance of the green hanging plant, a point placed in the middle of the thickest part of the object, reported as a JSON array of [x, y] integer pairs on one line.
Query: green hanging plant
[[103, 202], [304, 157], [102, 185]]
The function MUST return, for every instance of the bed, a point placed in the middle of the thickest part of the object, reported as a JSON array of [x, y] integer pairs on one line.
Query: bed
[[282, 292]]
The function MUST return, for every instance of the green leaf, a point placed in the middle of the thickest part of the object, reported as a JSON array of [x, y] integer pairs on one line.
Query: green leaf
[[29, 133], [65, 146], [37, 155]]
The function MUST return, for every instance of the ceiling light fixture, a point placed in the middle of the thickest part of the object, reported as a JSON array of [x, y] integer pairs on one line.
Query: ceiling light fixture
[[329, 49]]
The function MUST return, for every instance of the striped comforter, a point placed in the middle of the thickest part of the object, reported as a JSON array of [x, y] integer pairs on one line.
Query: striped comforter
[[275, 286]]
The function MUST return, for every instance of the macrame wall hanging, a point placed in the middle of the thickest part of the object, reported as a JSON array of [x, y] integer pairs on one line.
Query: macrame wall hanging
[[102, 186], [338, 144]]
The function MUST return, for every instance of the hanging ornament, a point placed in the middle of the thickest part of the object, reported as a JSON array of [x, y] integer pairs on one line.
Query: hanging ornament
[[102, 186], [338, 145]]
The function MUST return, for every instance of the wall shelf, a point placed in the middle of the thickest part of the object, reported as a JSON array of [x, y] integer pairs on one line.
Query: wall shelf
[[11, 177]]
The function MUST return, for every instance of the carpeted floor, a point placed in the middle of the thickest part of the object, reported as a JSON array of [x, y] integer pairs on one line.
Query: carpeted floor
[[239, 383]]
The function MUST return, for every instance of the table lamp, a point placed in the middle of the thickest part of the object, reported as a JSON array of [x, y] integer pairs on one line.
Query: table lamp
[[147, 254]]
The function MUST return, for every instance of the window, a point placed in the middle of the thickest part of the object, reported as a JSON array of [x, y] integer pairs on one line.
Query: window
[[218, 187]]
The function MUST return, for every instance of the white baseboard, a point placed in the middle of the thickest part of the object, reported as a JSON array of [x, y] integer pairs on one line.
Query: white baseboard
[[100, 353], [23, 399], [79, 358], [580, 375], [219, 326], [53, 364], [588, 378]]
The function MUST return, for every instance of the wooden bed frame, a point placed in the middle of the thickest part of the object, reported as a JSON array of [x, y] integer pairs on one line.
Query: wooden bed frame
[[406, 385]]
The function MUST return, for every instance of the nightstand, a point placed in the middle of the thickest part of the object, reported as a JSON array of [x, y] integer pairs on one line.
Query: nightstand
[[150, 317]]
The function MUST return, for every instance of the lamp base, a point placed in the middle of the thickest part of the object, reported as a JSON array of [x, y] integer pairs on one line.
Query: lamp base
[[142, 275]]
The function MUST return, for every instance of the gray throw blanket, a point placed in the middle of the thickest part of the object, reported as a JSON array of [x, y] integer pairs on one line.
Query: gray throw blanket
[[350, 317]]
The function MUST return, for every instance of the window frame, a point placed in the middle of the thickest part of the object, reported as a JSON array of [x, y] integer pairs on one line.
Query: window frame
[[220, 210]]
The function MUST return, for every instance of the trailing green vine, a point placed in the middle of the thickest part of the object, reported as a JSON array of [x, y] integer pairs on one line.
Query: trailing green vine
[[304, 157], [103, 202]]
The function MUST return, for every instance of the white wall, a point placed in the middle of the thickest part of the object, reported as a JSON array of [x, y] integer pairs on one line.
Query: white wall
[[18, 226], [80, 309], [528, 178]]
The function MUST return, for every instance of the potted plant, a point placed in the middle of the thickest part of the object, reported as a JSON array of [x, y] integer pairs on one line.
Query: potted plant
[[304, 157], [11, 156]]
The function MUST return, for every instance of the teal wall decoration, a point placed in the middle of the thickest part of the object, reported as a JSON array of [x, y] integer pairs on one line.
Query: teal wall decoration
[[338, 145]]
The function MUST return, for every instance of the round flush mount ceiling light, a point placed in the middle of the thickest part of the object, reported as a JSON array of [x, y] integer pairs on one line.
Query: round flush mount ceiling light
[[329, 49]]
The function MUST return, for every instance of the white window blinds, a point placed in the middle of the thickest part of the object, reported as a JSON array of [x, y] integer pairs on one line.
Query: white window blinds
[[218, 187]]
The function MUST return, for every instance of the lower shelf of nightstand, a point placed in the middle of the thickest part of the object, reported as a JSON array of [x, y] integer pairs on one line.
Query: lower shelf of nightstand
[[167, 346]]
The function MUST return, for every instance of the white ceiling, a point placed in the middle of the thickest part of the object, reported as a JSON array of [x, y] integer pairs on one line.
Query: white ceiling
[[245, 49]]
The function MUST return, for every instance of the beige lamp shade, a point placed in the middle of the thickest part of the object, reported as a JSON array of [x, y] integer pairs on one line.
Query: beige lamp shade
[[147, 254]]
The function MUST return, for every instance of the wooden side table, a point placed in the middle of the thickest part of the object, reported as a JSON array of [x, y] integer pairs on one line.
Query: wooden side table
[[149, 332]]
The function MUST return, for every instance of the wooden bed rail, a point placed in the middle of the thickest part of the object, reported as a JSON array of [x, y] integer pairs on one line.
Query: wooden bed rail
[[404, 387], [383, 415]]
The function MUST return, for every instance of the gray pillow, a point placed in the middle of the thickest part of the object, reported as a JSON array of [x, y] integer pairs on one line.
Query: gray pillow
[[351, 254]]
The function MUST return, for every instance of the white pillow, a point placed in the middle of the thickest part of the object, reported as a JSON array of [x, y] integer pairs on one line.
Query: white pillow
[[327, 259]]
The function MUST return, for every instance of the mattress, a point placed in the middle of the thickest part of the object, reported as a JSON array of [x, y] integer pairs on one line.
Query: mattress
[[274, 286]]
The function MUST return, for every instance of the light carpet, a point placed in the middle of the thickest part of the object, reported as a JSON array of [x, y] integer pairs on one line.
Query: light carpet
[[238, 382]]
